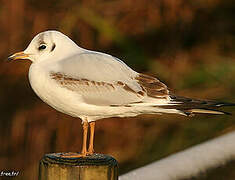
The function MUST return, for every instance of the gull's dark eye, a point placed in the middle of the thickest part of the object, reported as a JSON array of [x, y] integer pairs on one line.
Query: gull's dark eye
[[42, 47]]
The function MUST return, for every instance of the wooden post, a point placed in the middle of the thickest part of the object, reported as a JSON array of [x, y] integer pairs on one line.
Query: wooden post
[[94, 167]]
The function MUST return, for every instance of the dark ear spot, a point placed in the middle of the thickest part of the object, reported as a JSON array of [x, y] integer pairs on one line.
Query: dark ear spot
[[53, 47]]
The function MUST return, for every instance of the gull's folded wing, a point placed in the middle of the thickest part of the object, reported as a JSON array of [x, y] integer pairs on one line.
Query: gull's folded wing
[[105, 80]]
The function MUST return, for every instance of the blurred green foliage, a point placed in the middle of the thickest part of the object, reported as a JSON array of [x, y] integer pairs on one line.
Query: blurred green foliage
[[189, 45]]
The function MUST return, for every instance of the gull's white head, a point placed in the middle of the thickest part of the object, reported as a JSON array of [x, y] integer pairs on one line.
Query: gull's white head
[[47, 45]]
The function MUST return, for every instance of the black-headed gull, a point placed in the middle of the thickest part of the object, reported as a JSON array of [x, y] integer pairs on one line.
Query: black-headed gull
[[93, 85]]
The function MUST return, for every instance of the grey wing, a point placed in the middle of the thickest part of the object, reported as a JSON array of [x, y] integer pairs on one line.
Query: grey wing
[[99, 78]]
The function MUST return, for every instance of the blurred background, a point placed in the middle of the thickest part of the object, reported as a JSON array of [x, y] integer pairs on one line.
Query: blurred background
[[188, 44]]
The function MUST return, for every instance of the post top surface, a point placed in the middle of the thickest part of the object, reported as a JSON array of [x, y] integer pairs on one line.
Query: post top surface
[[71, 159]]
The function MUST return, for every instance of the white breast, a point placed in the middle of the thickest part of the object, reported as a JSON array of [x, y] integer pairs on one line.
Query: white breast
[[59, 98]]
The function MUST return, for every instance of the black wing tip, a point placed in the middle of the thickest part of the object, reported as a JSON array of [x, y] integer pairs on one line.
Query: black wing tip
[[199, 102]]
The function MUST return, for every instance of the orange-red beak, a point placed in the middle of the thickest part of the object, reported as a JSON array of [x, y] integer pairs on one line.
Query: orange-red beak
[[19, 55]]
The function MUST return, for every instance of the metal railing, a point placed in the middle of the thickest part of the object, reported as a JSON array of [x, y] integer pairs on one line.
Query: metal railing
[[190, 163]]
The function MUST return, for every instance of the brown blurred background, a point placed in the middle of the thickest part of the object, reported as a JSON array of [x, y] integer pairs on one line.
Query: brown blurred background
[[188, 44]]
